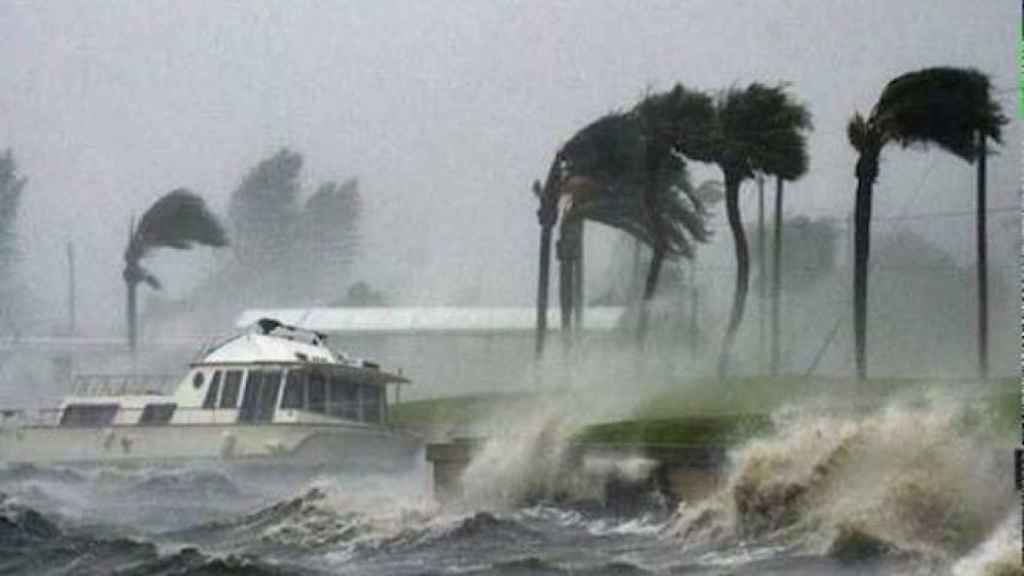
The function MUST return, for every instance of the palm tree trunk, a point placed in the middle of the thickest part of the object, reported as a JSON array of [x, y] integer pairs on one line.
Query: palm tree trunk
[[577, 285], [761, 284], [652, 163], [776, 278], [653, 272], [547, 216], [694, 313], [542, 290], [732, 204], [131, 316], [634, 286], [565, 288], [982, 262], [862, 249]]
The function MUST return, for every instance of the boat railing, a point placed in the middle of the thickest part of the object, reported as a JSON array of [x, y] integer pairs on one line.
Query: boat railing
[[122, 384]]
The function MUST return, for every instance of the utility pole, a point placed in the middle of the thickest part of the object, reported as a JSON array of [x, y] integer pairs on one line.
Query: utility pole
[[71, 289]]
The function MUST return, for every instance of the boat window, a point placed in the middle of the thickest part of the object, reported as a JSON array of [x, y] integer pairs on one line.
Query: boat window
[[316, 392], [268, 395], [344, 398], [294, 391], [159, 413], [88, 414], [232, 382], [249, 410], [210, 401], [370, 399]]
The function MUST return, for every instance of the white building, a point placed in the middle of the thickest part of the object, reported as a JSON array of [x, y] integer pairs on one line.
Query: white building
[[445, 350]]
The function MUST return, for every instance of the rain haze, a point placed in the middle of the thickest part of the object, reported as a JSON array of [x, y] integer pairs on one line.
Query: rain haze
[[446, 112], [360, 191]]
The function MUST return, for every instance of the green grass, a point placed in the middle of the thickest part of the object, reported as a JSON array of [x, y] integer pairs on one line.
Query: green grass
[[720, 430], [725, 412], [452, 410]]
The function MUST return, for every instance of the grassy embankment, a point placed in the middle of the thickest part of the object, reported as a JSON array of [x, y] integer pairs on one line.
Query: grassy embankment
[[723, 413]]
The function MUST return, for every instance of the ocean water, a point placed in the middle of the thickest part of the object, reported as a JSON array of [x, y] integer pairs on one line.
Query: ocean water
[[920, 489]]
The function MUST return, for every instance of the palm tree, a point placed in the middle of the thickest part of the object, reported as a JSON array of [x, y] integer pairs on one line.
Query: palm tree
[[756, 129], [179, 220], [602, 173], [950, 107]]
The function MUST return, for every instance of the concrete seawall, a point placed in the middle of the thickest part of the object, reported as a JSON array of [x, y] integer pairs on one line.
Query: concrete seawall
[[680, 471]]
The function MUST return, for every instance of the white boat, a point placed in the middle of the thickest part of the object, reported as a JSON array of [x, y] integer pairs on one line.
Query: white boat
[[269, 394]]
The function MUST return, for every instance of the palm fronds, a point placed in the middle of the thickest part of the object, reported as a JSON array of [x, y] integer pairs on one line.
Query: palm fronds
[[179, 220], [761, 129], [605, 167], [943, 105]]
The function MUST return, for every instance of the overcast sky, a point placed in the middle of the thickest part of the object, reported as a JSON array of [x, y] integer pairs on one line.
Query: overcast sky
[[445, 110]]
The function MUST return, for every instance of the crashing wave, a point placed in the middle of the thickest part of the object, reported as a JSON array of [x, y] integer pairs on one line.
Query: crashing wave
[[540, 463], [909, 479]]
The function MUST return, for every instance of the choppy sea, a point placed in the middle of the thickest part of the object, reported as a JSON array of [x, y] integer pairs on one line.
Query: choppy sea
[[906, 490]]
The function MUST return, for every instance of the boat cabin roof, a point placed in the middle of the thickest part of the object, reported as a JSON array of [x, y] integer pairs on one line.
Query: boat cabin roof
[[270, 342]]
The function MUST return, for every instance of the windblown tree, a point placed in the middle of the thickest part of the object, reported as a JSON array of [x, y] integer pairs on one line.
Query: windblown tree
[[329, 233], [602, 174], [757, 129], [179, 220], [11, 188], [950, 107], [288, 252], [264, 208], [810, 248]]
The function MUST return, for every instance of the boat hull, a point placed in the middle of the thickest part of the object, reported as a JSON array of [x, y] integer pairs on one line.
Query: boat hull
[[305, 445]]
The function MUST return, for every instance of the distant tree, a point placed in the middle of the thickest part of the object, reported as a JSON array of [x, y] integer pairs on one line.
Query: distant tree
[[361, 295], [950, 107], [264, 208], [178, 220], [329, 229], [289, 251], [11, 188], [811, 253]]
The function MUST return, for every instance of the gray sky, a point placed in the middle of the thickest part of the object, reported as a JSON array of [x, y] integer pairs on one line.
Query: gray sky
[[445, 110]]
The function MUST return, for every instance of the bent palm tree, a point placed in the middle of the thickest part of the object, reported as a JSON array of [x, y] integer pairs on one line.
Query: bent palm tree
[[602, 172], [757, 129], [950, 107], [179, 220]]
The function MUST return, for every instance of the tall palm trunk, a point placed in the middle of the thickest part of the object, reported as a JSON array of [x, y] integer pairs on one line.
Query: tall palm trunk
[[867, 171], [131, 316], [739, 299], [566, 274], [653, 162], [577, 283], [651, 285], [776, 278], [565, 293], [762, 284], [542, 289], [982, 262], [547, 216]]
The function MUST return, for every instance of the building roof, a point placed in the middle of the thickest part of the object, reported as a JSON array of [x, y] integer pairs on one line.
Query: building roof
[[405, 320]]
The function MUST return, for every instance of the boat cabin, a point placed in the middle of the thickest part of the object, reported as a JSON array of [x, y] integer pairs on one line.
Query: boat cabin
[[269, 374]]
